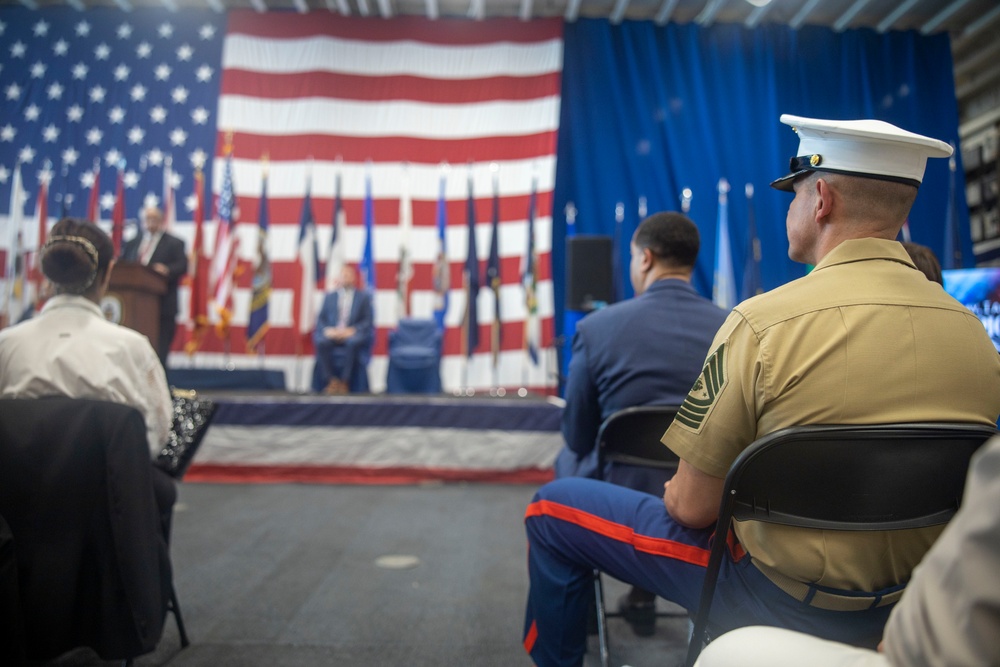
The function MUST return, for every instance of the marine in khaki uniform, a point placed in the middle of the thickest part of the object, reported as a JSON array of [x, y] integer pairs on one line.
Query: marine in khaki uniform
[[864, 338]]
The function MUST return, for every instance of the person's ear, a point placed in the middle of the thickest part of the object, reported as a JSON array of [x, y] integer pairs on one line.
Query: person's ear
[[824, 198], [647, 260]]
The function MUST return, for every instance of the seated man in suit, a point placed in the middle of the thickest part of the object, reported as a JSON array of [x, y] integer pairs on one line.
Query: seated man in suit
[[643, 351], [344, 332], [164, 253]]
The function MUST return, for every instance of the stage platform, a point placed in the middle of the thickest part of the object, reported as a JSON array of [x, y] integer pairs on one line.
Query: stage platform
[[378, 439]]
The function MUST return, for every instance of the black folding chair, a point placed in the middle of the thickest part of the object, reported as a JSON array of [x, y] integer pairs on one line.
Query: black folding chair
[[877, 477], [631, 436]]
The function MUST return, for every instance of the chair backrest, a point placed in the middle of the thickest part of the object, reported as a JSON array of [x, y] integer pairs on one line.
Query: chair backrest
[[879, 477], [632, 436], [76, 491], [845, 477], [416, 332]]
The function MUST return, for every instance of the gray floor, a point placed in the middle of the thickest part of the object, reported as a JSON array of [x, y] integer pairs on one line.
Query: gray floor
[[286, 575]]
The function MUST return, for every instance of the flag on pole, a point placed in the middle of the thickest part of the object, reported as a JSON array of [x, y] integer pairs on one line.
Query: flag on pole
[[405, 270], [529, 280], [952, 256], [441, 270], [118, 213], [258, 324], [724, 291], [368, 255], [493, 278], [42, 219], [169, 204], [751, 264], [93, 204], [224, 258], [12, 271], [306, 262], [336, 256], [617, 272], [470, 274], [198, 271]]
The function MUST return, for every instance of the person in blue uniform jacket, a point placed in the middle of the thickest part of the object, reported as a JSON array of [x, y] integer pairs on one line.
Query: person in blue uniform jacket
[[343, 336], [648, 350]]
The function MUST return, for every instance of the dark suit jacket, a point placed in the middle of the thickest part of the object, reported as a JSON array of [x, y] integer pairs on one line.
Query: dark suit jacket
[[76, 490], [644, 351], [169, 252], [361, 317]]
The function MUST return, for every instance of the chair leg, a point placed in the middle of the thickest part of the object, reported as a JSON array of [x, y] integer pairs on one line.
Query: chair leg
[[602, 620], [175, 608]]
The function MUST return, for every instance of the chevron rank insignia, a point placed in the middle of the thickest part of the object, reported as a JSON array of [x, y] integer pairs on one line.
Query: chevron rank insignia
[[706, 389]]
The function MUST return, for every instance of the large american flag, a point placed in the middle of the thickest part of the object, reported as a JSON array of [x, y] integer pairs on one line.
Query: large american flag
[[323, 97]]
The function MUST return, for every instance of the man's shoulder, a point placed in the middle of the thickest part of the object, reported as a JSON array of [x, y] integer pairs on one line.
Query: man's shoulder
[[172, 240]]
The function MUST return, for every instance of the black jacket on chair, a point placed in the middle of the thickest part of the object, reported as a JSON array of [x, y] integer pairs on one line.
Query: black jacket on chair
[[75, 489]]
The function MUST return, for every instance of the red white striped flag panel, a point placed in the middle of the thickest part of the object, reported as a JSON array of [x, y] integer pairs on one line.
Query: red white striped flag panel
[[398, 101]]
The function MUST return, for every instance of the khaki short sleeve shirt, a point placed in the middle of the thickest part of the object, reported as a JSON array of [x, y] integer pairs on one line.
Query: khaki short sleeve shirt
[[863, 339]]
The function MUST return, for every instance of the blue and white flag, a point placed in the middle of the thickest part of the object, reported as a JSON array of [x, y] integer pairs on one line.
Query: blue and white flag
[[724, 291]]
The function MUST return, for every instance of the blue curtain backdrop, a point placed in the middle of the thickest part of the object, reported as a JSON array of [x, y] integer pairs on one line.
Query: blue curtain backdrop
[[650, 110]]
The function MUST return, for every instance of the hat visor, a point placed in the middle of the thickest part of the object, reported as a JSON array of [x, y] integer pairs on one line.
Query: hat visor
[[785, 182]]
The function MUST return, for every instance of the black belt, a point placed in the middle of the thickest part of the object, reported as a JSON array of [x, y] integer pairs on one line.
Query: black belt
[[821, 599]]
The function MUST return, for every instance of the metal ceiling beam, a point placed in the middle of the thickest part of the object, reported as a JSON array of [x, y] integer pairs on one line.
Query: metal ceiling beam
[[982, 22], [942, 16], [618, 13], [845, 19], [708, 14], [895, 15], [665, 12], [978, 123], [757, 15], [982, 78], [803, 13], [525, 13], [572, 10], [432, 8], [978, 59], [385, 9]]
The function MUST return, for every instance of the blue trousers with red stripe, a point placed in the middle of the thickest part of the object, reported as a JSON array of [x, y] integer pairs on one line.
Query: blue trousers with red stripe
[[577, 525]]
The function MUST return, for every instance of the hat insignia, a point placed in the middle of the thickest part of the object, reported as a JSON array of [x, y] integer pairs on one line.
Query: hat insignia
[[815, 160]]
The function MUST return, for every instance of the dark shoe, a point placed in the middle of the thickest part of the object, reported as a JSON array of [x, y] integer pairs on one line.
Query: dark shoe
[[335, 387], [640, 615]]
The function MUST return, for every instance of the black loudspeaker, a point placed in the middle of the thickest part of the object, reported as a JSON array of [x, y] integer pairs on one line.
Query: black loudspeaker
[[588, 272]]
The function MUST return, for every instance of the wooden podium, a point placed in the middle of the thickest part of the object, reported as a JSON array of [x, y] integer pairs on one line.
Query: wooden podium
[[133, 298]]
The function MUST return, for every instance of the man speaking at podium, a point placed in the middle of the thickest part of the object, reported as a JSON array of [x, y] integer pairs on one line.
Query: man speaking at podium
[[165, 254]]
